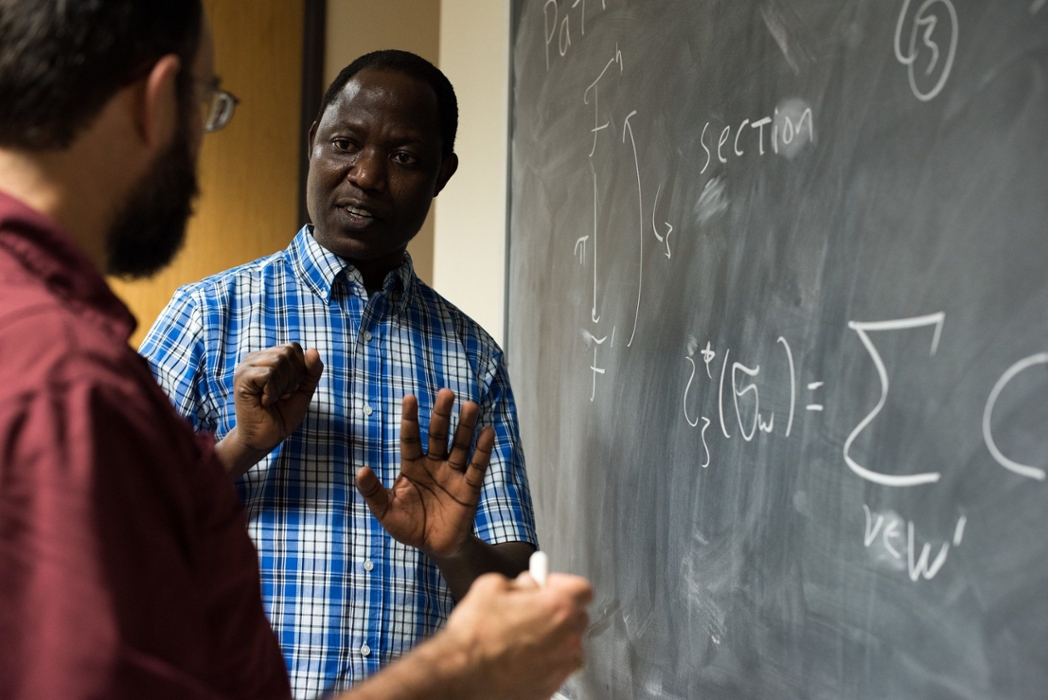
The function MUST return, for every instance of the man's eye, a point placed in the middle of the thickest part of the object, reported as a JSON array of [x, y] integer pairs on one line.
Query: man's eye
[[404, 158], [342, 144]]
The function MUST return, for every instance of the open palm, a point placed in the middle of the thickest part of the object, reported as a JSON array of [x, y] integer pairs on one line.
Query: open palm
[[432, 503]]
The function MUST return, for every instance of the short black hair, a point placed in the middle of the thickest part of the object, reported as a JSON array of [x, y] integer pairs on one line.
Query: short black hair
[[414, 66], [61, 61]]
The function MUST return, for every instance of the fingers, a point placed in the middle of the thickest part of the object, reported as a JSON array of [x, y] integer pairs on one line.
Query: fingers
[[288, 366], [463, 435], [524, 581], [574, 587], [439, 425], [410, 443], [490, 584], [481, 458], [298, 397], [439, 422], [277, 372], [375, 495]]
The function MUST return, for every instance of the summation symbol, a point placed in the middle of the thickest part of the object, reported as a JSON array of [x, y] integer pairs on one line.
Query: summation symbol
[[863, 329]]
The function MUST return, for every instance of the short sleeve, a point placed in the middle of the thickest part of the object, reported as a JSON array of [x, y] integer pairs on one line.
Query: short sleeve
[[505, 512], [174, 349]]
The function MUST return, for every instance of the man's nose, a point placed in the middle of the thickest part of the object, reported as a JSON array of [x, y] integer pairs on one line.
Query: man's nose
[[369, 170]]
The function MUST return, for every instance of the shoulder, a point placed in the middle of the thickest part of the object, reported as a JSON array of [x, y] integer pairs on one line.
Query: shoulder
[[212, 299], [42, 340], [51, 348], [66, 381], [230, 284], [454, 321]]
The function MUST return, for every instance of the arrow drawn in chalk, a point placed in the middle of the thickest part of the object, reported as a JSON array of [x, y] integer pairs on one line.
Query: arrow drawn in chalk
[[640, 210]]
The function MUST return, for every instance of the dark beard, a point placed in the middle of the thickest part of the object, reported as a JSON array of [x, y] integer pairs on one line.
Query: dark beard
[[150, 229]]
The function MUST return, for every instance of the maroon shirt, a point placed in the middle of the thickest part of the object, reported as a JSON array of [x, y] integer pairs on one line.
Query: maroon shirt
[[126, 570]]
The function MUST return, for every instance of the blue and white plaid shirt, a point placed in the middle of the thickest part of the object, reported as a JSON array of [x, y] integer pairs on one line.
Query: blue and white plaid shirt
[[344, 598]]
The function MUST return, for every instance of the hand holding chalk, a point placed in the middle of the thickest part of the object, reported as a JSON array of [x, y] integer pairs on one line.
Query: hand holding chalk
[[538, 567]]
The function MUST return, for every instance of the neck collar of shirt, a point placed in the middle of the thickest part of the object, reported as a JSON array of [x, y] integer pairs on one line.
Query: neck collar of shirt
[[49, 253], [320, 269]]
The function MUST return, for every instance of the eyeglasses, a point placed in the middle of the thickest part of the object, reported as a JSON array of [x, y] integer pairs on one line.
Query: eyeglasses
[[218, 107]]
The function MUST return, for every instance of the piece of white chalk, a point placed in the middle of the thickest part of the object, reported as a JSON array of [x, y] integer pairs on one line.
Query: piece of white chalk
[[538, 567]]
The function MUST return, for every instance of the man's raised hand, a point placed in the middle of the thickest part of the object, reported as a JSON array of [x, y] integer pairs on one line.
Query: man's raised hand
[[272, 389], [432, 503]]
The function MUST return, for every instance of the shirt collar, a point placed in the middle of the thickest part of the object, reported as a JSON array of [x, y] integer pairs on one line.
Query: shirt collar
[[48, 252], [320, 269]]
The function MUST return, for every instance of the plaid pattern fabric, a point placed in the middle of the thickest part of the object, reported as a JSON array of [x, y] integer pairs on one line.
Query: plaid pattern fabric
[[344, 598]]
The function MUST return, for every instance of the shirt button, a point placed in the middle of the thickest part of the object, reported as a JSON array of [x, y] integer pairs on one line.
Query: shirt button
[[367, 336], [368, 410], [368, 565], [365, 650]]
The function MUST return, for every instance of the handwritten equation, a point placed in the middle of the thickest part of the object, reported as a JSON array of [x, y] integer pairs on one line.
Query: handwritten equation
[[739, 383], [735, 381], [785, 132]]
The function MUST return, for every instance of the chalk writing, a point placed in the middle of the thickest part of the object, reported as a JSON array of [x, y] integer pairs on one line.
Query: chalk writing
[[588, 247], [695, 423], [928, 21], [789, 128], [1006, 378], [558, 28], [863, 329], [597, 126], [595, 343], [640, 208], [918, 566], [669, 227], [741, 383]]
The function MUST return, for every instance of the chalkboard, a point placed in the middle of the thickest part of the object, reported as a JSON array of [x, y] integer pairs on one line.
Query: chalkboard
[[778, 332]]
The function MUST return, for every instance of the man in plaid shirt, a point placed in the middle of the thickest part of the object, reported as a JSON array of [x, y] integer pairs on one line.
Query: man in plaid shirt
[[354, 574]]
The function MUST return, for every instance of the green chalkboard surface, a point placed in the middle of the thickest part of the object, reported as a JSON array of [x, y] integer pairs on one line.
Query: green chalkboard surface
[[778, 330]]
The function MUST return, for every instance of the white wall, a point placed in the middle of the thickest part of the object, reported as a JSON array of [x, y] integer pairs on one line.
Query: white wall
[[470, 240]]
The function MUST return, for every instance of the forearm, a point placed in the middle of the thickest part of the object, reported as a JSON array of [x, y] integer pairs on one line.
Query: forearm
[[435, 670], [477, 557]]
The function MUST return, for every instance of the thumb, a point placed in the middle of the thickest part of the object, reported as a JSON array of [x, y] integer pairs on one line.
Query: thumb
[[314, 370], [375, 495]]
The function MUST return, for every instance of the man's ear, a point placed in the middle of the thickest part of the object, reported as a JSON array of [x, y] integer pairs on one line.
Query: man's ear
[[310, 139], [447, 169], [158, 113]]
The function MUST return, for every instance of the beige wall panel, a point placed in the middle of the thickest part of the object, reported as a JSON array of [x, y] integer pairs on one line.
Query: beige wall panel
[[469, 261], [355, 27], [248, 171]]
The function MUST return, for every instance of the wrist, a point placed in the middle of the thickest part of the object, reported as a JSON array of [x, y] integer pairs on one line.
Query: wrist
[[465, 552], [457, 670], [235, 456]]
